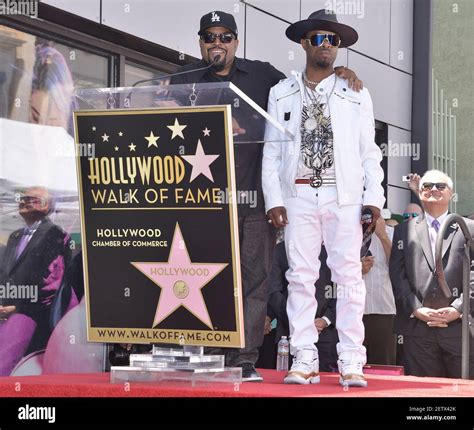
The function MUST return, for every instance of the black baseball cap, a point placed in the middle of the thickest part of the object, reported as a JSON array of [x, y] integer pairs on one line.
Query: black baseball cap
[[218, 18]]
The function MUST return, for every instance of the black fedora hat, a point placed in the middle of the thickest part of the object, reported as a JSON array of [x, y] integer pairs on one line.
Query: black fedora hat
[[322, 19]]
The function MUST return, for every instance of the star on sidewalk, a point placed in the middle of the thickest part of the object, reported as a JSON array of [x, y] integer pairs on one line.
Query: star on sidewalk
[[177, 129], [200, 162], [152, 140], [180, 281]]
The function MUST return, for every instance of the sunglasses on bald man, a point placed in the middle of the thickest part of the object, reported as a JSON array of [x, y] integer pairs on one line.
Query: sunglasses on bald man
[[441, 186]]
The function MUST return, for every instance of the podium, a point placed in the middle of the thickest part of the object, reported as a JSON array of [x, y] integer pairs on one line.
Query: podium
[[176, 147]]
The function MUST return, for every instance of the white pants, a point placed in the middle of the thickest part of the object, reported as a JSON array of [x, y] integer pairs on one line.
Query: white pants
[[314, 217]]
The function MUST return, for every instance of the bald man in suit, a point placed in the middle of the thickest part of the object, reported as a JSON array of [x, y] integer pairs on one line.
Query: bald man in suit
[[428, 319], [35, 257]]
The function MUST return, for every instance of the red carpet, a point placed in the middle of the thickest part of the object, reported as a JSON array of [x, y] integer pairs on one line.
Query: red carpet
[[97, 385]]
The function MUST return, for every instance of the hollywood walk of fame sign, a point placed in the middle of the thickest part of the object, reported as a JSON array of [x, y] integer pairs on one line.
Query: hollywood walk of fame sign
[[159, 231]]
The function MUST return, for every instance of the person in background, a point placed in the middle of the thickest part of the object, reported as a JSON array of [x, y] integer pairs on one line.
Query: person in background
[[52, 89], [379, 313], [35, 256], [412, 211], [428, 317]]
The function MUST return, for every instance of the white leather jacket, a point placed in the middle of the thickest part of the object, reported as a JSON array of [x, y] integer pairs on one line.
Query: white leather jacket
[[356, 156]]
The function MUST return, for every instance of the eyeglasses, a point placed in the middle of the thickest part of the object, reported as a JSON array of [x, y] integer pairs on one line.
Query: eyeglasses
[[441, 186], [211, 37], [29, 199], [408, 215], [319, 39]]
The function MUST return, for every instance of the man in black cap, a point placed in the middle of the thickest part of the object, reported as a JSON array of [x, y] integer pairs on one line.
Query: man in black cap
[[317, 187], [219, 42]]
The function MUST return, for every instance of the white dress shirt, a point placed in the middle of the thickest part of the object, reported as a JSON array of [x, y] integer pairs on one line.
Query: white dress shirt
[[379, 298], [431, 231]]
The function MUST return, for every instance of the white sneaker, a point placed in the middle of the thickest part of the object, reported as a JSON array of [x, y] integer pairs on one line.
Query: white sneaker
[[305, 368], [351, 374]]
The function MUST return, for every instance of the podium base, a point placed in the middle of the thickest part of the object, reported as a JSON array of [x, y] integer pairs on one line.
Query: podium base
[[187, 365], [193, 377]]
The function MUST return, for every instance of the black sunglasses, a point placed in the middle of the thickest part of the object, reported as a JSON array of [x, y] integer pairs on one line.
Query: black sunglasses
[[319, 39], [211, 37], [441, 186]]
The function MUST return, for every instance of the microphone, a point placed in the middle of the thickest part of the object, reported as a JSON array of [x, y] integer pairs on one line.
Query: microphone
[[217, 58], [214, 62]]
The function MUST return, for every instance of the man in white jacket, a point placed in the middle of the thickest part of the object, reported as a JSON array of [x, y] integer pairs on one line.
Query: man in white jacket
[[317, 186]]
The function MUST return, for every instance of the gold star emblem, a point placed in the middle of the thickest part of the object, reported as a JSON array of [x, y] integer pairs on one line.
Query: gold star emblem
[[152, 140], [177, 129]]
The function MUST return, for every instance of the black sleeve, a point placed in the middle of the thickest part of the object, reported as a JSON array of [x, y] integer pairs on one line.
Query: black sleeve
[[331, 311], [275, 75], [405, 299], [278, 285]]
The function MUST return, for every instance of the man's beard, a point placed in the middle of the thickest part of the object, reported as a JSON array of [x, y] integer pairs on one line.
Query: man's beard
[[323, 64], [219, 66]]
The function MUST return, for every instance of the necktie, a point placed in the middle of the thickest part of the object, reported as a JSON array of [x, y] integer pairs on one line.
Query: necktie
[[435, 225], [23, 242]]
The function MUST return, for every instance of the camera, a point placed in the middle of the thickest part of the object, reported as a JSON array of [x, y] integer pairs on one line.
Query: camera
[[406, 178]]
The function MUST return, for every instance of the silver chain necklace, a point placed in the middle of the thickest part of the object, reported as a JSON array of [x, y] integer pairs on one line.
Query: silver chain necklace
[[313, 102]]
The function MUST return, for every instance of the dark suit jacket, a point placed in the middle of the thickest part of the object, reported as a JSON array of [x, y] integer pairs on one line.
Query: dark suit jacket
[[278, 295], [41, 264], [2, 252], [413, 279]]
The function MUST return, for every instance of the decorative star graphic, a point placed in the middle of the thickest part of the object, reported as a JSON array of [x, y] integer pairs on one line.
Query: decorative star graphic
[[132, 146], [177, 129], [152, 140], [120, 134], [116, 148], [105, 138], [180, 281], [94, 128], [200, 162], [206, 132]]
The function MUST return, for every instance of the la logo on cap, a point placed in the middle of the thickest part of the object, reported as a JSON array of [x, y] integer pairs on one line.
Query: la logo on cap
[[215, 17]]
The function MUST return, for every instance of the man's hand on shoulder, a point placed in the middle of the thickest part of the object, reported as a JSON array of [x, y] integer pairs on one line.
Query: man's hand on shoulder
[[353, 81]]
